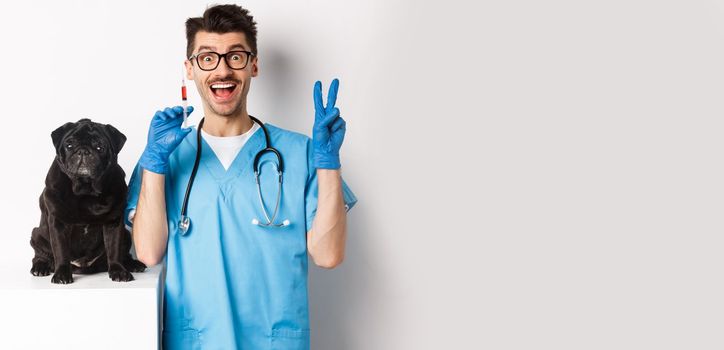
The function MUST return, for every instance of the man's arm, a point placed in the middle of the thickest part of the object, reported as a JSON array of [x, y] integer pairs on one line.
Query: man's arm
[[150, 229], [326, 240], [327, 236]]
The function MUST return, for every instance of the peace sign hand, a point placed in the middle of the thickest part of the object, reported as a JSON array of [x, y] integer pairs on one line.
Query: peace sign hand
[[329, 128]]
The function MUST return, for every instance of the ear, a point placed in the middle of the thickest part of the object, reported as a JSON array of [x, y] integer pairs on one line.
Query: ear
[[116, 137], [255, 66], [57, 134], [189, 70]]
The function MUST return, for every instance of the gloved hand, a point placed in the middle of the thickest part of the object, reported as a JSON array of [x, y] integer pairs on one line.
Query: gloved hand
[[164, 135], [328, 130]]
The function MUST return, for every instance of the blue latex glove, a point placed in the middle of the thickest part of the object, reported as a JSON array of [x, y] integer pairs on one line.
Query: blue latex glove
[[329, 128], [164, 135]]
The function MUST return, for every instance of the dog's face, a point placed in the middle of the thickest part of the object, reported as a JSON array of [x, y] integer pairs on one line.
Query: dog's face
[[86, 149]]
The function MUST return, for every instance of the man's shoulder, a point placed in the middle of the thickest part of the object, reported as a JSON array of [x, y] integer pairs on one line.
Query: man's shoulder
[[283, 135]]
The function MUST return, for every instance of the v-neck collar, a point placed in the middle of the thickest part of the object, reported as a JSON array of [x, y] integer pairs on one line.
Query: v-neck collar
[[241, 164]]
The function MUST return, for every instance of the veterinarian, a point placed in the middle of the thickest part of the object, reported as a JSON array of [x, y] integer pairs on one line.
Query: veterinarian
[[235, 280]]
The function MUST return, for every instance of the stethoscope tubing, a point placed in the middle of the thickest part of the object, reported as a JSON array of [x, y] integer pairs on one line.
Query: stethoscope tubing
[[185, 221]]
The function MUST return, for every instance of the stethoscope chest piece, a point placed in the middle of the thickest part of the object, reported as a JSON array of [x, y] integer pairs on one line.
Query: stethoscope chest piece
[[184, 224]]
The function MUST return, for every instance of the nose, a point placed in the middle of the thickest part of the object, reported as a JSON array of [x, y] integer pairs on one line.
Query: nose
[[84, 151], [223, 68]]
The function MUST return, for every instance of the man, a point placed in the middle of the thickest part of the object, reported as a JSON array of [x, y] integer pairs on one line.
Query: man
[[236, 278]]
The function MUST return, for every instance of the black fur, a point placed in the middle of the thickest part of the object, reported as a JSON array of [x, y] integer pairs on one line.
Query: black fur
[[81, 222]]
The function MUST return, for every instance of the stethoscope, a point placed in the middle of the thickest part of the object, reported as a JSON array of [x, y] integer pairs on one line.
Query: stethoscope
[[185, 222]]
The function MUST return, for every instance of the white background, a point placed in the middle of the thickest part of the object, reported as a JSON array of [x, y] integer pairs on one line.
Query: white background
[[530, 175]]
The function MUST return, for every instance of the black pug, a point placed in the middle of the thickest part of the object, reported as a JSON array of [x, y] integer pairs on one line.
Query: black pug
[[81, 222]]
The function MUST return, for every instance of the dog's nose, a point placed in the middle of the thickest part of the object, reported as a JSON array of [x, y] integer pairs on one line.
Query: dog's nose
[[84, 151]]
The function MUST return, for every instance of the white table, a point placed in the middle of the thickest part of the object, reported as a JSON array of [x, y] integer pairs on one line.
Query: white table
[[91, 313]]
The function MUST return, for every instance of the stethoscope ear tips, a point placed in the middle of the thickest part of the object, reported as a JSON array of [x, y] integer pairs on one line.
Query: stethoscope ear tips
[[283, 224]]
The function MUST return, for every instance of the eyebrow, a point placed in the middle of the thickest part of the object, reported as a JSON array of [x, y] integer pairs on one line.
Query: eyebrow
[[211, 48]]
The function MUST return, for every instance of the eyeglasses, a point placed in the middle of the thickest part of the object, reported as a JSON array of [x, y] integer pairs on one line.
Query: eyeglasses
[[210, 60]]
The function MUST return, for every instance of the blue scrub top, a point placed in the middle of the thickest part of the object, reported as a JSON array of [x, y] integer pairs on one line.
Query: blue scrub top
[[230, 284]]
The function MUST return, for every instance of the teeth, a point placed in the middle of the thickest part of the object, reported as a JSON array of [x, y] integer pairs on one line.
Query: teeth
[[222, 86]]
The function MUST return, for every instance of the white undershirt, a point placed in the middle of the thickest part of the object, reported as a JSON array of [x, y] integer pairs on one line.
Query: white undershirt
[[226, 148]]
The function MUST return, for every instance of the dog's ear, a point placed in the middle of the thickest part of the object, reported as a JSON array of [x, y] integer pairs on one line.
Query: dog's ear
[[57, 134], [116, 137]]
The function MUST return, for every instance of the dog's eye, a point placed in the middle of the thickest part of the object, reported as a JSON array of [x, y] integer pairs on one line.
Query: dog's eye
[[69, 145], [99, 148]]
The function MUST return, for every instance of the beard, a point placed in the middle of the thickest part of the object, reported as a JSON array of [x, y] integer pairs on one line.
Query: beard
[[226, 110]]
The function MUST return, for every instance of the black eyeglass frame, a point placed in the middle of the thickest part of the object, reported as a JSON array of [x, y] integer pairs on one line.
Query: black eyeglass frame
[[219, 56]]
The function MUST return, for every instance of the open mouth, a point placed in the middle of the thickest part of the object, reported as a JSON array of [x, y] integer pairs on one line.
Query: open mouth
[[223, 91]]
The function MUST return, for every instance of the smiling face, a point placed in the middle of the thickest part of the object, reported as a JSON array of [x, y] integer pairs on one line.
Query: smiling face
[[223, 90]]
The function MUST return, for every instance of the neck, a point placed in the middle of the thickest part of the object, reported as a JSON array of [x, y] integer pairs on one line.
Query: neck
[[234, 125]]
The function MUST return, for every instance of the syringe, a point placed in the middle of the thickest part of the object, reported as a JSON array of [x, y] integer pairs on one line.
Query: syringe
[[183, 101]]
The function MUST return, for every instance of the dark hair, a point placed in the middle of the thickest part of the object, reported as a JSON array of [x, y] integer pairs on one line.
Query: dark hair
[[221, 19]]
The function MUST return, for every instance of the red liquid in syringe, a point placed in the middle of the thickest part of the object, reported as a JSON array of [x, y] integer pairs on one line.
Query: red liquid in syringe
[[183, 101]]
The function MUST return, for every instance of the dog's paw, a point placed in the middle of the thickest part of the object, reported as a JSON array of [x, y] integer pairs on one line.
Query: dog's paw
[[119, 273], [41, 268], [63, 275], [134, 265]]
